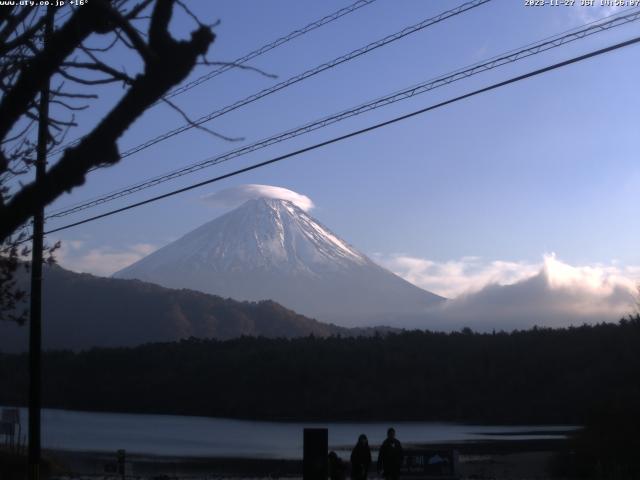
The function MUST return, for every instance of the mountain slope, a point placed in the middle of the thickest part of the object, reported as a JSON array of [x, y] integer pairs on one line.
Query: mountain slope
[[271, 249], [82, 311]]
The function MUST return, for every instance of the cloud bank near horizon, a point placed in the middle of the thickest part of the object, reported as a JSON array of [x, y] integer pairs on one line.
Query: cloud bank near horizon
[[529, 303], [467, 275], [235, 196], [517, 295]]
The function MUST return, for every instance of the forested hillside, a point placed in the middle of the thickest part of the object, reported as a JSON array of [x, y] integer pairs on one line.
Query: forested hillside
[[81, 311]]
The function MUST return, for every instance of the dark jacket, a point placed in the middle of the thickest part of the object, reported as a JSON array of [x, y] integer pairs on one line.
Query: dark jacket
[[390, 457], [337, 468], [360, 461]]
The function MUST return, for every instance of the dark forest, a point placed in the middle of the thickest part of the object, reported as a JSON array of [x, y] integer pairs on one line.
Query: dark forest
[[536, 376]]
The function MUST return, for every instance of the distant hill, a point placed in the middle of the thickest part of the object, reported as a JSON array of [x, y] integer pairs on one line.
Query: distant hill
[[82, 311]]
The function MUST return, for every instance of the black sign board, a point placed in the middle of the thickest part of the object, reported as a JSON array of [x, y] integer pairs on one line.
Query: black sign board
[[316, 452], [430, 464]]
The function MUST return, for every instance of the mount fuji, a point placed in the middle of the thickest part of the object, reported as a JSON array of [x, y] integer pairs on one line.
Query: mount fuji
[[269, 248]]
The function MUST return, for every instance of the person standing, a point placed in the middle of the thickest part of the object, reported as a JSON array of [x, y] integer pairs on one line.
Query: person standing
[[337, 468], [360, 459], [390, 456]]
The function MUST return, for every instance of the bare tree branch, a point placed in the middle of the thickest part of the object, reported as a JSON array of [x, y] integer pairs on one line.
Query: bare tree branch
[[115, 75], [137, 42], [167, 63], [241, 66], [46, 62], [135, 11], [199, 126], [68, 106], [106, 48], [12, 23], [23, 37]]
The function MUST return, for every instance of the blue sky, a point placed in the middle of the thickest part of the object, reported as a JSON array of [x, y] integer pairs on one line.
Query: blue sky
[[545, 165]]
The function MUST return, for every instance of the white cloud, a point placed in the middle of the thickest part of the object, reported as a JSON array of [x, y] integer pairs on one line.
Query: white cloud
[[456, 277], [102, 261], [232, 197], [467, 275], [507, 295], [599, 279], [531, 302]]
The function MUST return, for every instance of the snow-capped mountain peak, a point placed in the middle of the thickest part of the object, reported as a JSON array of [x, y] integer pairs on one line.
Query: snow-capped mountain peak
[[269, 248], [262, 233]]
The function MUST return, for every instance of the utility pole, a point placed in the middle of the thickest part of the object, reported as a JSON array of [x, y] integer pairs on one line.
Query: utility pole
[[35, 321]]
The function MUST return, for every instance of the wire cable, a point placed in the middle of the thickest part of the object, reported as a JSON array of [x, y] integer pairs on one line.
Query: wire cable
[[251, 55], [465, 72], [307, 74], [270, 46], [355, 133]]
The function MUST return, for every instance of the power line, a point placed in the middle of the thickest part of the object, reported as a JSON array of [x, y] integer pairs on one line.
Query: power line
[[251, 55], [465, 72], [308, 73], [270, 46], [357, 132]]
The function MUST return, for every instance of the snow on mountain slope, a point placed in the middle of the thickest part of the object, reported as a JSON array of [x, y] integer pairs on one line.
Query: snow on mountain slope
[[271, 249]]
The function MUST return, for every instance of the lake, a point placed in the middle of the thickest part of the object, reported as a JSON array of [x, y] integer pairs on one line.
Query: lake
[[173, 435]]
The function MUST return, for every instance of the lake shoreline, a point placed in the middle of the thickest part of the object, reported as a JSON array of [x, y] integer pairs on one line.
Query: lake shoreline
[[180, 436], [477, 457]]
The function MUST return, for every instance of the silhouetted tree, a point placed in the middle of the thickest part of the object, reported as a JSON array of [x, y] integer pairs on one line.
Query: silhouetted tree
[[76, 56]]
